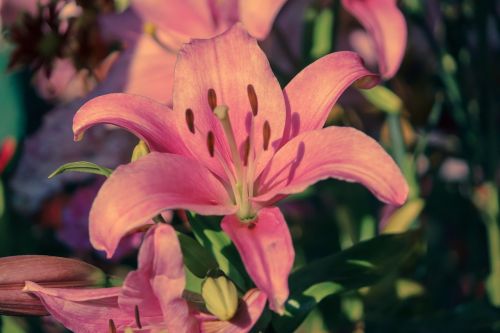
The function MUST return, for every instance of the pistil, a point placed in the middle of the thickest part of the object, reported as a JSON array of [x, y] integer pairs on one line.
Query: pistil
[[222, 113]]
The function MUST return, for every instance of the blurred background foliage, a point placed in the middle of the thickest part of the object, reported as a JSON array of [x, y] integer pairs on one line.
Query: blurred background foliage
[[438, 117]]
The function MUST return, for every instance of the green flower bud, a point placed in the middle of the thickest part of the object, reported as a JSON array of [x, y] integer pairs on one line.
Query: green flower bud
[[140, 150], [220, 296]]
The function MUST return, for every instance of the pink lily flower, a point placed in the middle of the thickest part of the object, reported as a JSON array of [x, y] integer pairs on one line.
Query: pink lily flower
[[146, 67], [235, 144], [387, 26], [151, 299]]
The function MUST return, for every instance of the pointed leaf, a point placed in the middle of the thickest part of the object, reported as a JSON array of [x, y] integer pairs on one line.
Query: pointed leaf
[[197, 259], [82, 166], [218, 243], [361, 265]]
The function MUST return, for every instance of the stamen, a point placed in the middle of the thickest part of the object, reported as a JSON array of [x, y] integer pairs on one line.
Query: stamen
[[190, 120], [212, 98], [252, 97], [266, 135], [222, 112], [150, 29], [112, 327], [137, 317], [211, 143], [246, 151]]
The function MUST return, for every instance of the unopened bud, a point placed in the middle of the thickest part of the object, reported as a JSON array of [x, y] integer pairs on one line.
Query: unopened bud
[[220, 296], [140, 150], [54, 272]]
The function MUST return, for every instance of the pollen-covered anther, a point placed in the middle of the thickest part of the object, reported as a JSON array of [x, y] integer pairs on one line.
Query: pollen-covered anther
[[190, 120], [211, 143], [112, 326], [212, 98], [266, 135], [246, 150], [252, 98], [137, 317]]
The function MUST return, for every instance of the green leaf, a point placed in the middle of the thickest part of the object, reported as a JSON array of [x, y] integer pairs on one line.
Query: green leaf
[[358, 266], [12, 325], [82, 166], [196, 258], [11, 97], [212, 238]]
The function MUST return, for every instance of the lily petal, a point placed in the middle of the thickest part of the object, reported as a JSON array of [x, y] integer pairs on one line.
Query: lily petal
[[229, 64], [258, 15], [157, 285], [249, 311], [387, 26], [82, 310], [145, 69], [311, 94], [136, 192], [266, 248], [151, 121], [190, 17], [337, 152]]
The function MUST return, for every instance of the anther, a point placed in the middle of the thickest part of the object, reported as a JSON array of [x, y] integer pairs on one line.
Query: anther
[[137, 317], [212, 98], [211, 143], [266, 135], [112, 327], [246, 151], [252, 97], [190, 120]]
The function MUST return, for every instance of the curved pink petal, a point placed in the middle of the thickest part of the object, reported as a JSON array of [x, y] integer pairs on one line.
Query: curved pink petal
[[136, 192], [311, 94], [151, 121], [188, 17], [249, 311], [332, 152], [258, 15], [387, 26], [266, 248], [83, 310], [157, 285], [228, 64]]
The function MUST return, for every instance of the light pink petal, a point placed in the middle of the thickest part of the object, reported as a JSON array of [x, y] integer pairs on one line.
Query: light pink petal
[[311, 94], [333, 152], [136, 192], [151, 121], [249, 311], [258, 15], [157, 285], [145, 69], [387, 26], [266, 248], [188, 17], [228, 64], [82, 310]]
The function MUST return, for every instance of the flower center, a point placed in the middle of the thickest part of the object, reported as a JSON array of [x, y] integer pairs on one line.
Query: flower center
[[241, 172]]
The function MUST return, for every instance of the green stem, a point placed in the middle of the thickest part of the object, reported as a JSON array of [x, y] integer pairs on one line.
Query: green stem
[[399, 152]]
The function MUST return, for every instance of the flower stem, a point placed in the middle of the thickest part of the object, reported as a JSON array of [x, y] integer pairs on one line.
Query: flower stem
[[399, 152]]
